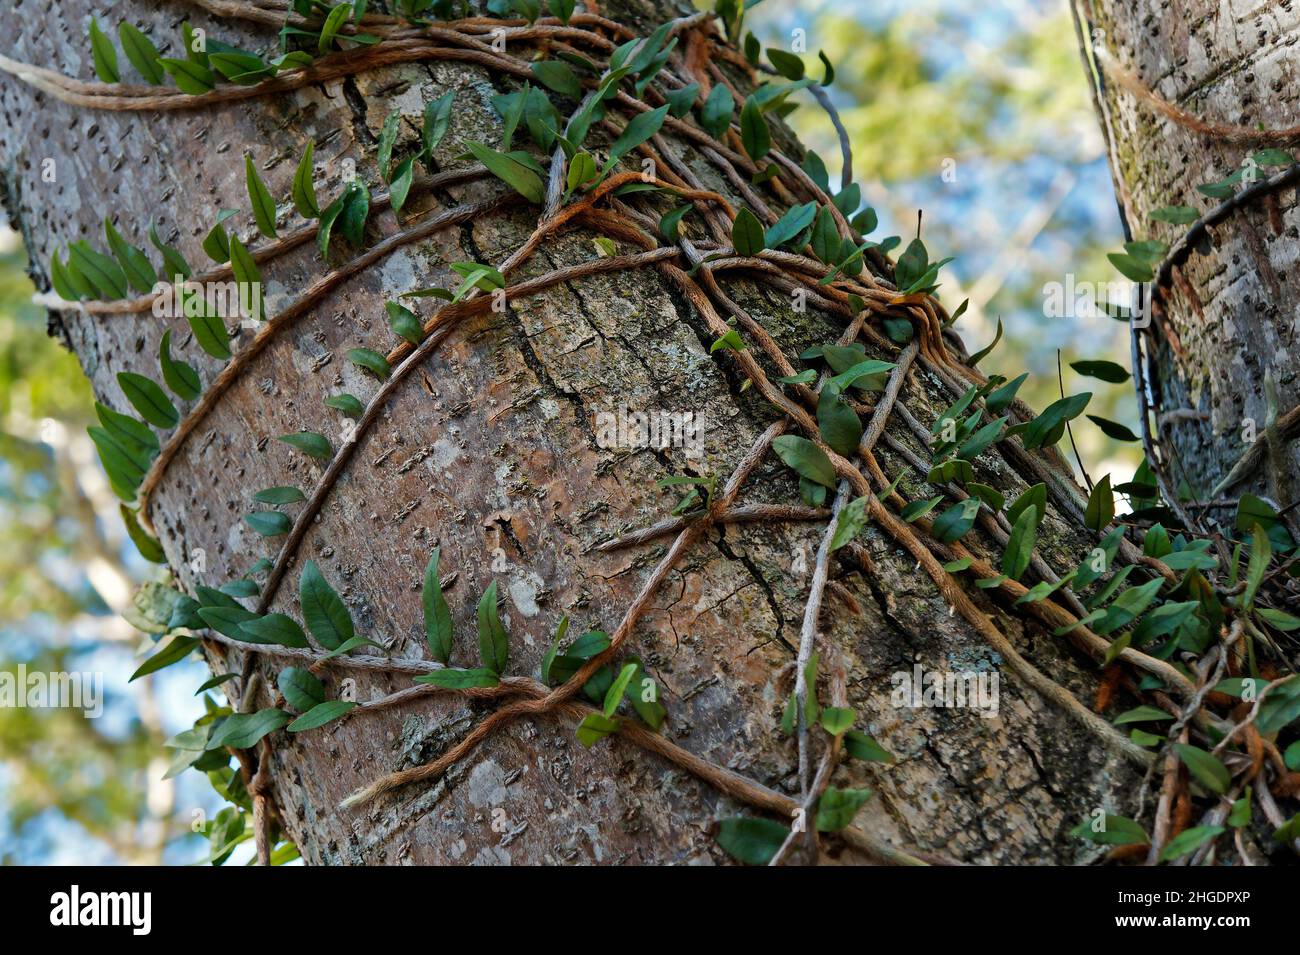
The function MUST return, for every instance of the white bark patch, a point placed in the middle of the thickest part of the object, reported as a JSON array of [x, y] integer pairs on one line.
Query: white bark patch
[[523, 592], [487, 785]]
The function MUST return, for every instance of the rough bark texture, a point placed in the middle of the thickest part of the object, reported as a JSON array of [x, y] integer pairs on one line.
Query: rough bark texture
[[1232, 311], [491, 446]]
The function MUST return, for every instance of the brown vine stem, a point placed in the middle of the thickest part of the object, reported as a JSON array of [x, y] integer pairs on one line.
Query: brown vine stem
[[741, 514], [808, 641], [1225, 132]]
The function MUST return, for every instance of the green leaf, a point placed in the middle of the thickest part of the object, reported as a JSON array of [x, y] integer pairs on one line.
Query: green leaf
[[148, 547], [1001, 399], [301, 688], [1047, 428], [715, 115], [1101, 506], [1113, 429], [1020, 548], [211, 334], [371, 360], [304, 188], [325, 613], [680, 101], [853, 517], [1178, 215], [614, 695], [229, 619], [148, 399], [437, 615], [751, 840], [1103, 370], [279, 495], [1128, 606], [514, 173], [558, 76], [242, 730], [191, 77], [249, 278], [983, 353], [1261, 552], [838, 423], [971, 448], [1273, 157], [1115, 831], [670, 222], [1188, 841], [437, 118], [105, 275], [1276, 618], [915, 510], [263, 204], [103, 53], [349, 404], [401, 183], [405, 323], [747, 236], [269, 523], [1035, 496], [319, 715], [453, 679], [180, 377], [333, 23], [135, 264], [1142, 714], [493, 647], [1205, 768], [790, 225], [787, 64], [275, 628], [217, 243], [309, 443], [177, 649], [837, 720], [595, 727], [387, 137], [956, 521], [141, 52], [1131, 267], [806, 459], [861, 746], [637, 131], [754, 134], [837, 807]]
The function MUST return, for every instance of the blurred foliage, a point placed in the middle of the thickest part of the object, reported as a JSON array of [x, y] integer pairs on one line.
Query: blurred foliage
[[72, 789]]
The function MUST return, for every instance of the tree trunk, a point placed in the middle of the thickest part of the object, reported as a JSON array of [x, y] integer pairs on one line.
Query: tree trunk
[[489, 452], [1225, 315]]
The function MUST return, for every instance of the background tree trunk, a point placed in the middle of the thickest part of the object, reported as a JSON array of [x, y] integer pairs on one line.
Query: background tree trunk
[[491, 446], [1229, 314]]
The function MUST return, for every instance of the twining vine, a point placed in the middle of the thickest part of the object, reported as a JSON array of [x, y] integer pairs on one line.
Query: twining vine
[[1164, 607]]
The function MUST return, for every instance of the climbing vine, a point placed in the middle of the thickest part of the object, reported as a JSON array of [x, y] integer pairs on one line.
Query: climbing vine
[[1190, 622]]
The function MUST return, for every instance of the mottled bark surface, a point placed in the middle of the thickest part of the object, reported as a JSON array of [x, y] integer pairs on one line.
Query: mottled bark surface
[[1232, 312], [491, 446]]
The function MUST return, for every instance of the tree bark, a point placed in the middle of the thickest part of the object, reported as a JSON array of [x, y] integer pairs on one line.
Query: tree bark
[[488, 451], [1227, 316]]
